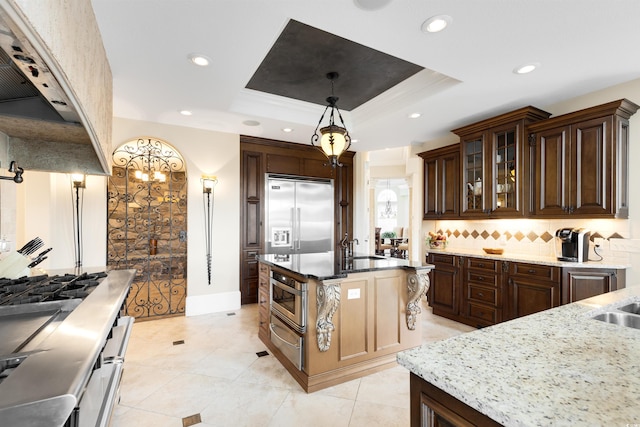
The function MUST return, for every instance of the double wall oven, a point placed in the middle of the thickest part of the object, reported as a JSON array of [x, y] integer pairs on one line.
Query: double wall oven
[[288, 315]]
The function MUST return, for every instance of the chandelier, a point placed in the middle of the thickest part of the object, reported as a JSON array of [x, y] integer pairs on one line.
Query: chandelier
[[333, 139]]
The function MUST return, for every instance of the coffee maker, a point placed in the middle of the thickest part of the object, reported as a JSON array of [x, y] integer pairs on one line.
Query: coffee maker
[[572, 244]]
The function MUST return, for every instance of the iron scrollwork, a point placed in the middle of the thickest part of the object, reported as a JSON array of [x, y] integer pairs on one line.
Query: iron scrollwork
[[418, 284], [327, 302], [145, 218]]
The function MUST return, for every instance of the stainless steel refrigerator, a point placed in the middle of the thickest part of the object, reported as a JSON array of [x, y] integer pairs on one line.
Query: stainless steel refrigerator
[[299, 215]]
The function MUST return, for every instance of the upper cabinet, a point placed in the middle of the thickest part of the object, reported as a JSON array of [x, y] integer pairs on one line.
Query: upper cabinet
[[581, 162], [495, 165], [441, 178]]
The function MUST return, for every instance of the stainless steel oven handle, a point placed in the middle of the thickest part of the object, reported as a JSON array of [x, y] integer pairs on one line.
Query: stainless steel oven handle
[[284, 341], [285, 287], [111, 396]]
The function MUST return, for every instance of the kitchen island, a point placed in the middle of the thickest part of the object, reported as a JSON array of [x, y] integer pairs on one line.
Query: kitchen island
[[558, 367], [349, 317]]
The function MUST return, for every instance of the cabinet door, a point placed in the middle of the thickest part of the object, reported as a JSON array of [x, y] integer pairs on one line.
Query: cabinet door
[[552, 168], [441, 178], [505, 164], [430, 201], [529, 296], [474, 178], [591, 159], [445, 285], [578, 284]]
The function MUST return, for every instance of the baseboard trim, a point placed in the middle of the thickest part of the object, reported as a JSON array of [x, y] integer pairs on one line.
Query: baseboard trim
[[212, 303]]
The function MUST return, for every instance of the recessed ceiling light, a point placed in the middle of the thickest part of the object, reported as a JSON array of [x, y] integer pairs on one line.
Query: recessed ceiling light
[[197, 59], [354, 140], [186, 112], [526, 68], [436, 23], [414, 115], [287, 130], [371, 4], [251, 123]]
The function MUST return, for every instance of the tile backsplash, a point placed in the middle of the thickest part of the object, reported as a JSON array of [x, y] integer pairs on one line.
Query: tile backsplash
[[530, 236]]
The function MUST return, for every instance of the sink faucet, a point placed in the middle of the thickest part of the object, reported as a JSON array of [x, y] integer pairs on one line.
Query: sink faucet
[[347, 246]]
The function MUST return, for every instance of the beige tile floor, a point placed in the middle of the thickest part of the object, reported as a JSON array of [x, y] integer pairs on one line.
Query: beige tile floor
[[217, 374]]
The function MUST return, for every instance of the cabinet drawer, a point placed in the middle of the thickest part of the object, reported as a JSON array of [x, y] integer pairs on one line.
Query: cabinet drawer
[[540, 272], [483, 294], [484, 313], [442, 259], [484, 264], [488, 278]]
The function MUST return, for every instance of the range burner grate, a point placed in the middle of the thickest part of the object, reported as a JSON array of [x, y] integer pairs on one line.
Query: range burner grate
[[42, 288]]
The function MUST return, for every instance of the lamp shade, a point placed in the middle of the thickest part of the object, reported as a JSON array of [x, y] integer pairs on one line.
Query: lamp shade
[[333, 140]]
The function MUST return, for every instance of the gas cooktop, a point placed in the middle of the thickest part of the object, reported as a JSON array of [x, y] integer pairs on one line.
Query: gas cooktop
[[44, 288]]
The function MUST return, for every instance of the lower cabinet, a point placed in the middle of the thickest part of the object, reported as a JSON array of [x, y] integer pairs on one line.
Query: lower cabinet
[[532, 288], [482, 291], [581, 283], [263, 300], [445, 298], [433, 407]]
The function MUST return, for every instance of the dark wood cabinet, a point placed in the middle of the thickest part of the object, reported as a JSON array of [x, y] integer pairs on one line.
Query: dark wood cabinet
[[582, 162], [485, 291], [430, 406], [581, 283], [495, 161], [441, 182], [261, 156], [446, 284], [482, 291], [532, 288]]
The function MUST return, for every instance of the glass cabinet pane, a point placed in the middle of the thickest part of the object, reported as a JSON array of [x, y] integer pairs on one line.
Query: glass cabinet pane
[[473, 174], [505, 169]]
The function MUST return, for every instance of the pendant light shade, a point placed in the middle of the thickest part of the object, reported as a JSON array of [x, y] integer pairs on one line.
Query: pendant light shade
[[334, 139]]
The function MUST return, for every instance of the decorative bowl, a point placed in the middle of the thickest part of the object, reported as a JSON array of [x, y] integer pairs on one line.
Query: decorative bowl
[[493, 251], [438, 244]]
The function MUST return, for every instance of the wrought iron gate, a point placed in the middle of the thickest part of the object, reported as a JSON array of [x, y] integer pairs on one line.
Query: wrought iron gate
[[147, 226]]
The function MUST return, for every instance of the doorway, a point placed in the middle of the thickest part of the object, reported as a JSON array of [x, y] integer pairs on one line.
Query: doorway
[[147, 226], [391, 211]]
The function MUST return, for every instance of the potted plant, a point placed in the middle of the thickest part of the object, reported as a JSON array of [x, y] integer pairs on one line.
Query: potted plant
[[388, 235]]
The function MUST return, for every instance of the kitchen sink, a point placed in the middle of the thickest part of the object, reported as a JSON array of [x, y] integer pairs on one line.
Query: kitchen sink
[[631, 308], [620, 318]]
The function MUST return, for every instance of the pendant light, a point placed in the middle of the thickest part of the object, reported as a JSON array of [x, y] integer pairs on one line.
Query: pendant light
[[333, 139]]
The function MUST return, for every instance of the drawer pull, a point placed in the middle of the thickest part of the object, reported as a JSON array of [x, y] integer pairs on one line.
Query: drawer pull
[[480, 294], [531, 271], [480, 278], [480, 264]]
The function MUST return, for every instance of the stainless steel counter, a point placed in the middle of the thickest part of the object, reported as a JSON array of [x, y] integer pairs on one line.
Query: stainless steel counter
[[46, 386]]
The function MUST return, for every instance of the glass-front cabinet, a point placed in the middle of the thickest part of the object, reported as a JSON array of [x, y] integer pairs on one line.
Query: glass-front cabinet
[[496, 165]]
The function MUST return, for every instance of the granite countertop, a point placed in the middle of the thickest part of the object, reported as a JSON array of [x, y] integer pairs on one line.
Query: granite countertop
[[326, 265], [558, 367], [536, 259]]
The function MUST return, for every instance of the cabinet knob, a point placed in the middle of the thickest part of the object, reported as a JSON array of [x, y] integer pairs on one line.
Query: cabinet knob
[[480, 294], [480, 278]]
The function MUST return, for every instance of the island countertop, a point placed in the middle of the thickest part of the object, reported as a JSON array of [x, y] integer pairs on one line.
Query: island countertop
[[557, 367], [326, 265]]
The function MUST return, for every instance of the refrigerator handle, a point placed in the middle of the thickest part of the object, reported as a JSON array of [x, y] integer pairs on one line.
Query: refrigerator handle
[[298, 229], [292, 224]]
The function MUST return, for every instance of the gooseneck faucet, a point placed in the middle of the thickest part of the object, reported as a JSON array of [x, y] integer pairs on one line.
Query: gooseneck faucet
[[347, 246]]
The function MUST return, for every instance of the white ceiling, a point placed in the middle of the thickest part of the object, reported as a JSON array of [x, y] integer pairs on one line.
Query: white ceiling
[[582, 46]]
